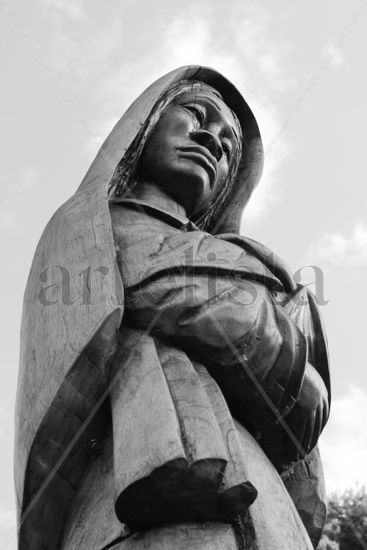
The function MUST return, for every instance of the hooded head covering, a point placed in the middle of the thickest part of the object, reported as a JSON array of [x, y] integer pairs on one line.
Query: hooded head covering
[[139, 120], [72, 311]]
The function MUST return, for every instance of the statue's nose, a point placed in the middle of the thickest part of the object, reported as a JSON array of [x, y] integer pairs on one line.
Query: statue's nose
[[210, 141]]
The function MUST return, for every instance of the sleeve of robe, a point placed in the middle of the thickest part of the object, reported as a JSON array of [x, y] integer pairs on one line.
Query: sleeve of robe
[[252, 347]]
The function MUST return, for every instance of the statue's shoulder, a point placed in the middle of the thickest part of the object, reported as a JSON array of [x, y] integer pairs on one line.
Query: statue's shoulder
[[265, 255]]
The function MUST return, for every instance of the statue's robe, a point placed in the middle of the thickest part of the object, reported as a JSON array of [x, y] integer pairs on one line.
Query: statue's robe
[[186, 459], [186, 293], [227, 303]]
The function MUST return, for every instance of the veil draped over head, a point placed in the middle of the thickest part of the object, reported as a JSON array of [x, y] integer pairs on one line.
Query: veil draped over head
[[73, 306], [123, 181]]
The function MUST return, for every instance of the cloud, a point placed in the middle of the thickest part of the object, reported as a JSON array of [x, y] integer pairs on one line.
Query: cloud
[[341, 250], [73, 9], [61, 53], [239, 47], [344, 442], [333, 55], [28, 178], [186, 42], [7, 219], [275, 153], [7, 517], [95, 142], [8, 530], [15, 188]]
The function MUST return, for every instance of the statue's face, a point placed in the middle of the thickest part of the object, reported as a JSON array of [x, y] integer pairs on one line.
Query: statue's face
[[190, 150]]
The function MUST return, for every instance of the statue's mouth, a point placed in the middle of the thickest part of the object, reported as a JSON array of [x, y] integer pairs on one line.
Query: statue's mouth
[[202, 156]]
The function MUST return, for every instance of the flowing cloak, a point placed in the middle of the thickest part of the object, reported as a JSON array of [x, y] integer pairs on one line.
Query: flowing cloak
[[73, 307]]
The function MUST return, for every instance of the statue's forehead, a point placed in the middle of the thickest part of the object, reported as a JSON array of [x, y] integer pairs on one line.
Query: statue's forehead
[[201, 91]]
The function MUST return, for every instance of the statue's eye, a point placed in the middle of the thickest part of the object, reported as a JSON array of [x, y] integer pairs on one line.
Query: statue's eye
[[227, 148], [197, 111]]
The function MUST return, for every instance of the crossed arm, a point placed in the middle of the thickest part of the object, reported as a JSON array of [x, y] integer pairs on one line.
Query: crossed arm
[[249, 344]]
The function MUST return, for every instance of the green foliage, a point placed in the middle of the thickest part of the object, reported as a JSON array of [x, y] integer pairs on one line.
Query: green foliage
[[346, 525]]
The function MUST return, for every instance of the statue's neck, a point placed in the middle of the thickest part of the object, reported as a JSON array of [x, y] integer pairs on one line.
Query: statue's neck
[[154, 195]]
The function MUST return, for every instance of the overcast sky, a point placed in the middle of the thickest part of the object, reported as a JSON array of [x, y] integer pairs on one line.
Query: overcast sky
[[70, 69]]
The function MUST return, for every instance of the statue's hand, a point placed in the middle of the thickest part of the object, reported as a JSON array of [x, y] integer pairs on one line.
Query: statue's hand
[[309, 415]]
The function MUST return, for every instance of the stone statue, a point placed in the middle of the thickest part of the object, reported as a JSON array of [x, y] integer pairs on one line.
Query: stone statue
[[174, 379]]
